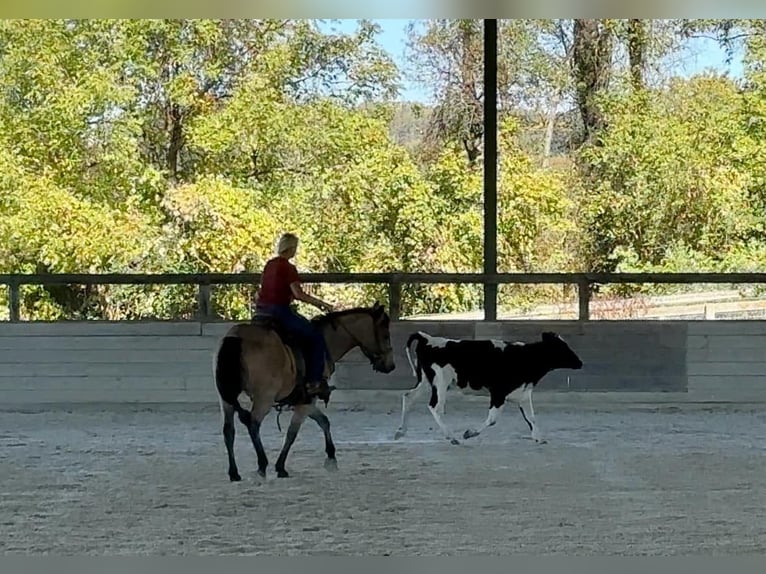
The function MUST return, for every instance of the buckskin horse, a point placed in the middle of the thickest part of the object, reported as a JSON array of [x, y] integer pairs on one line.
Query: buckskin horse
[[261, 360]]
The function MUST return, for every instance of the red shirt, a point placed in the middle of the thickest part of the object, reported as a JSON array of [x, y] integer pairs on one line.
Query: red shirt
[[277, 276]]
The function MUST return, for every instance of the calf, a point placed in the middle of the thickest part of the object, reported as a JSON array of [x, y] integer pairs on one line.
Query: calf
[[507, 370]]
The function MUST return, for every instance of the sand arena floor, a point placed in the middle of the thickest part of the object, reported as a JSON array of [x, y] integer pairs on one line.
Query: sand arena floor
[[121, 479]]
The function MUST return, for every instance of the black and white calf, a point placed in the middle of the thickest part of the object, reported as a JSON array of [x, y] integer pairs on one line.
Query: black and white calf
[[507, 370]]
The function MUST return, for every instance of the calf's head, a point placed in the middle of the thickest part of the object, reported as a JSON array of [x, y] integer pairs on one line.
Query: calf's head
[[560, 355]]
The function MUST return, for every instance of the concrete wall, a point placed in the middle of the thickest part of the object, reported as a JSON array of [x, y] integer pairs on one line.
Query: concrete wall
[[167, 361]]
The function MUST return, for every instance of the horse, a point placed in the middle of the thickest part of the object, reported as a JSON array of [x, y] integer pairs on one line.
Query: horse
[[261, 360]]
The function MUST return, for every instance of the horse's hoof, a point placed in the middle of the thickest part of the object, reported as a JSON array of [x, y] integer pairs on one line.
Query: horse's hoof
[[454, 441], [470, 434], [398, 434], [262, 472], [541, 441], [282, 474], [331, 465], [234, 477]]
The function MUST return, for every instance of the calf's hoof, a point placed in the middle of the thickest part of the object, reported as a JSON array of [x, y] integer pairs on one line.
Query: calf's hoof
[[470, 434], [262, 472], [283, 474], [538, 439], [398, 434], [234, 477], [454, 441]]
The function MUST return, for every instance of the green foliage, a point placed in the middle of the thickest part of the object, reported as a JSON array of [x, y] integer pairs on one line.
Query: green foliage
[[534, 223], [216, 228], [45, 226], [190, 145], [668, 177]]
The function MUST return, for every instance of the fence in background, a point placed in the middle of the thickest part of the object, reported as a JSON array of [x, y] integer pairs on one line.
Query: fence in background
[[584, 282]]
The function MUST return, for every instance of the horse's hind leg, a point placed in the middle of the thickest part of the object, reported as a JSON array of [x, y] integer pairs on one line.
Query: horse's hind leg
[[228, 439], [257, 414], [324, 423], [299, 415]]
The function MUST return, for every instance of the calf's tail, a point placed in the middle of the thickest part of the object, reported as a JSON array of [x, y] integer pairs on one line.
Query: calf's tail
[[414, 338]]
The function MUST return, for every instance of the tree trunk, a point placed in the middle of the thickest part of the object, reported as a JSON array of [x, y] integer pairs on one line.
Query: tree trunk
[[550, 127], [176, 140], [592, 63], [637, 40], [470, 88]]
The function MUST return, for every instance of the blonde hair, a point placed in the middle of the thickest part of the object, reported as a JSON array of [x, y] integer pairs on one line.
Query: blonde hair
[[286, 242]]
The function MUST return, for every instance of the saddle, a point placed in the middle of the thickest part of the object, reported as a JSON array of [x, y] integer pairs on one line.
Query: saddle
[[294, 343]]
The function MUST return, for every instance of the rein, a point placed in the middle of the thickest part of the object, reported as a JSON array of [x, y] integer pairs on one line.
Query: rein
[[334, 322]]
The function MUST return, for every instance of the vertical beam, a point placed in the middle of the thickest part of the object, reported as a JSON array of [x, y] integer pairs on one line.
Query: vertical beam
[[203, 302], [583, 296], [394, 299], [490, 167], [14, 301]]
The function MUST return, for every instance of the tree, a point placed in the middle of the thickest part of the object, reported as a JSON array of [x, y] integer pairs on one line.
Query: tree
[[187, 68], [592, 50], [189, 145], [670, 177]]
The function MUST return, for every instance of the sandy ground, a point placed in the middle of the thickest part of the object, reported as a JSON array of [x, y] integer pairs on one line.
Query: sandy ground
[[152, 480]]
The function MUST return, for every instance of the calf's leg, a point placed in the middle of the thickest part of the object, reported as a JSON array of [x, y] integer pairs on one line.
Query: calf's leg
[[436, 404], [496, 403], [530, 417], [407, 399]]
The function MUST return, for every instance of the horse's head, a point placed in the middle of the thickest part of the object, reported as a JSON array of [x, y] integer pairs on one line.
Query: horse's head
[[368, 328], [377, 346]]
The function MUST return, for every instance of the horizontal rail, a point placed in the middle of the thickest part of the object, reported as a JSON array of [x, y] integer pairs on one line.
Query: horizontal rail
[[203, 281], [404, 278]]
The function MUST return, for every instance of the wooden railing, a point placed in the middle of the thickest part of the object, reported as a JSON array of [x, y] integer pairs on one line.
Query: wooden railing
[[204, 281]]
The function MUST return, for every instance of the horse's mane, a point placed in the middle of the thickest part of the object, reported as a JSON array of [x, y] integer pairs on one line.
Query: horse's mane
[[321, 320]]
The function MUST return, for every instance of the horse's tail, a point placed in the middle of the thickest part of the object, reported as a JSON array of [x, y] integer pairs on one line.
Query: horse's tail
[[229, 372], [419, 338]]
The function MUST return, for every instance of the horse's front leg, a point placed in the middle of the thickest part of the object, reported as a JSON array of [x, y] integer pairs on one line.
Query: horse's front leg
[[299, 415], [324, 423]]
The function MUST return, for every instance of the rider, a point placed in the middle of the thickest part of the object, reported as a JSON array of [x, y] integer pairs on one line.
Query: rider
[[280, 285]]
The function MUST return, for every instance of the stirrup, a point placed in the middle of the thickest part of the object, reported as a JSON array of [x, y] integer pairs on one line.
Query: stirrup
[[315, 387], [320, 389]]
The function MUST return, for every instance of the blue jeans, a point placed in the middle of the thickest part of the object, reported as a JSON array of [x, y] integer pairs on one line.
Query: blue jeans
[[310, 336]]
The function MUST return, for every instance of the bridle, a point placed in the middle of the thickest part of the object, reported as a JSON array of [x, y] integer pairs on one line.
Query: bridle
[[374, 358]]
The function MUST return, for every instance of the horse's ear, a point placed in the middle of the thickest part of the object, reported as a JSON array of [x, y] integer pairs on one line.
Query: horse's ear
[[378, 310]]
